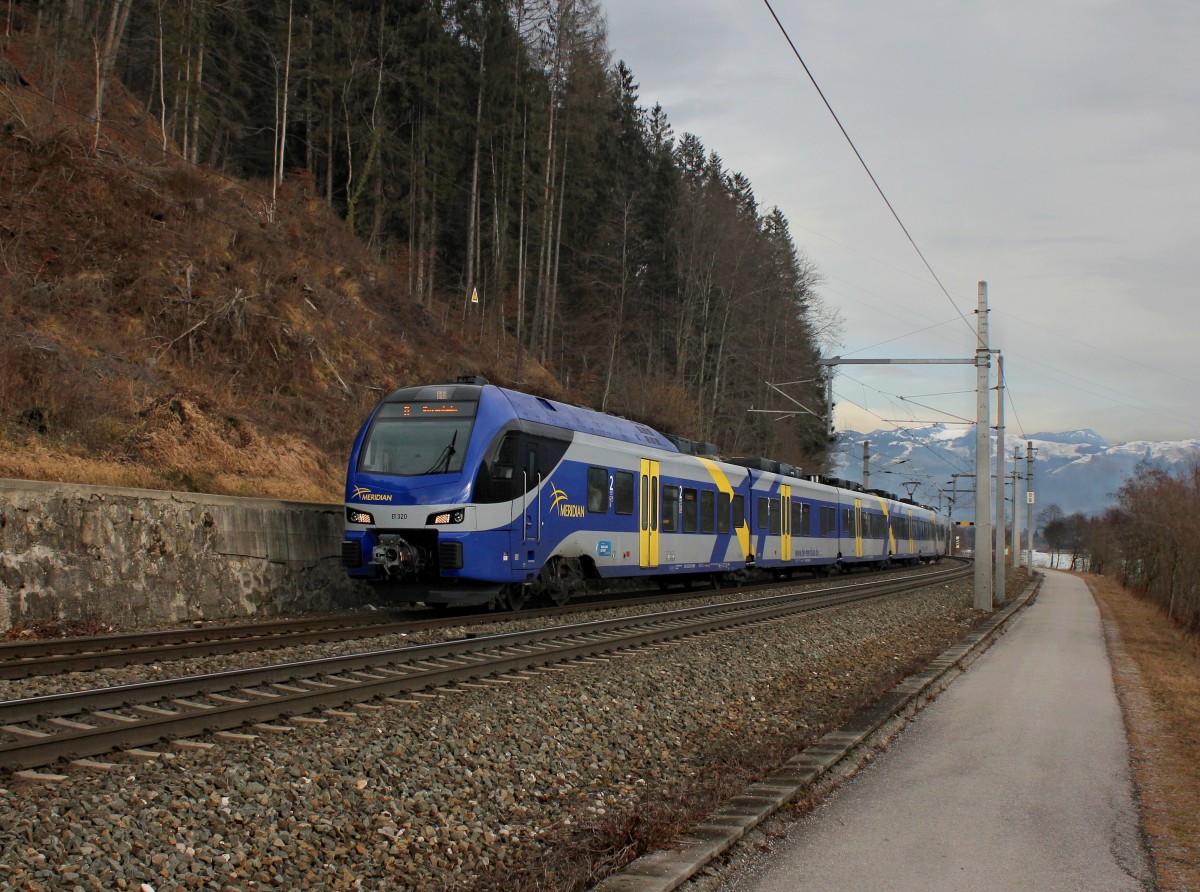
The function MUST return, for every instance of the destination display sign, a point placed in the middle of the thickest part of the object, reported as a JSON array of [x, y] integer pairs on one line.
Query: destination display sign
[[459, 408]]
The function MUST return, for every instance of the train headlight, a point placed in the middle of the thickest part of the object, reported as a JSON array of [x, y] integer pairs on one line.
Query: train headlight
[[443, 518], [355, 516]]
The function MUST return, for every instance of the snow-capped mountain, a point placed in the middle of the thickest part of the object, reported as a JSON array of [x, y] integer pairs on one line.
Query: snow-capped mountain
[[1076, 470]]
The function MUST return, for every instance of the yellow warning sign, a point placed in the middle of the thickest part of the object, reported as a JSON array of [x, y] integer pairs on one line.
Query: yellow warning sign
[[474, 295]]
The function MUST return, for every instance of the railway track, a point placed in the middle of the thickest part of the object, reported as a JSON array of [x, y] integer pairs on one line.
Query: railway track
[[39, 731], [52, 656]]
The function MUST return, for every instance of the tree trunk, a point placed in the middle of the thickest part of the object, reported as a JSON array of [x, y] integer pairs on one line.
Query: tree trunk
[[618, 321], [281, 142], [552, 298], [195, 140], [473, 199], [106, 56]]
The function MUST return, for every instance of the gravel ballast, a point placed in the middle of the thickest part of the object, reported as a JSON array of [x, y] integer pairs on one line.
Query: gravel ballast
[[488, 786]]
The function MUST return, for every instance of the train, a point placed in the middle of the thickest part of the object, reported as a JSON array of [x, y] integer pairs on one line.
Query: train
[[472, 494]]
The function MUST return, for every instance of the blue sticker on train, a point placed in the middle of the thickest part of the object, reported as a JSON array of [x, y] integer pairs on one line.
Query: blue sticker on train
[[604, 548]]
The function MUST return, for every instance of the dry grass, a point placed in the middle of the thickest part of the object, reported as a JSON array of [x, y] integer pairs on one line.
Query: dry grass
[[1157, 671], [163, 326]]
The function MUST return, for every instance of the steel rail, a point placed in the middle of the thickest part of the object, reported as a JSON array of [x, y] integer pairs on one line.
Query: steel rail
[[377, 674], [22, 659], [44, 656]]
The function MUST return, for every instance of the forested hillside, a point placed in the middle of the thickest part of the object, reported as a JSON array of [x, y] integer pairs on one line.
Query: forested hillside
[[229, 226]]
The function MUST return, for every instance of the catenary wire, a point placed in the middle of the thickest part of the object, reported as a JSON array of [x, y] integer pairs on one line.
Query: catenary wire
[[865, 167]]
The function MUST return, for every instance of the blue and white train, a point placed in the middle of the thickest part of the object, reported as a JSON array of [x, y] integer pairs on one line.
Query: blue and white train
[[473, 494]]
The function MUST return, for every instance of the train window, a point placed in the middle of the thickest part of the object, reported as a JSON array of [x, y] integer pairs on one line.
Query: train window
[[828, 521], [513, 464], [645, 503], [670, 513], [798, 519], [739, 512], [427, 440], [623, 492], [707, 503], [723, 512], [847, 522], [775, 517], [597, 485], [690, 506], [764, 512], [506, 457]]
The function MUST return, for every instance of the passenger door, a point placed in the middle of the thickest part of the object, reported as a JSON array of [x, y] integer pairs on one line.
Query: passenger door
[[785, 523], [648, 488]]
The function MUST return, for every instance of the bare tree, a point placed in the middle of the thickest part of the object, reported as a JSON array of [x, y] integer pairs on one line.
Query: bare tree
[[106, 55]]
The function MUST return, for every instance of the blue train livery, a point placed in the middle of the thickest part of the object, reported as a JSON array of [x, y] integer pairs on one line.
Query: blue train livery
[[467, 493]]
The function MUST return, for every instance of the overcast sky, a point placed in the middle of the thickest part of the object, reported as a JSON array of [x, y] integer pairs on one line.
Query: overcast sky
[[1050, 148]]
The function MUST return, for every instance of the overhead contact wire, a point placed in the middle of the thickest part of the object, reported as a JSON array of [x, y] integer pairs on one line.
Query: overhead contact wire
[[865, 167]]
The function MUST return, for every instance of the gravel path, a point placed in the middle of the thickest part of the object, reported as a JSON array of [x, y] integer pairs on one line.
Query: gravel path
[[491, 787]]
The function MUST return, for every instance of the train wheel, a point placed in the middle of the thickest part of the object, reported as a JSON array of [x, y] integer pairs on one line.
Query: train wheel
[[563, 578], [514, 597]]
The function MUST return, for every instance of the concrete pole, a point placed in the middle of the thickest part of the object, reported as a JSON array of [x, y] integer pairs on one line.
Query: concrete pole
[[829, 404], [1016, 555], [983, 459], [1001, 504], [866, 465], [1029, 497], [953, 502]]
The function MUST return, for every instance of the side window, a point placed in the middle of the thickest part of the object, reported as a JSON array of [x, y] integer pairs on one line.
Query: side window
[[506, 457], [775, 517], [542, 457], [623, 492], [798, 519], [690, 507], [670, 509], [805, 519], [723, 512], [707, 503], [739, 512], [500, 478], [764, 512], [597, 490]]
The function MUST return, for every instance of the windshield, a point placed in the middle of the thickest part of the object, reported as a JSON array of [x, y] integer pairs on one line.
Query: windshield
[[415, 439]]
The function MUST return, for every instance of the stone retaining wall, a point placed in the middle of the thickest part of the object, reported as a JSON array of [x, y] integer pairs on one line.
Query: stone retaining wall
[[136, 557]]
